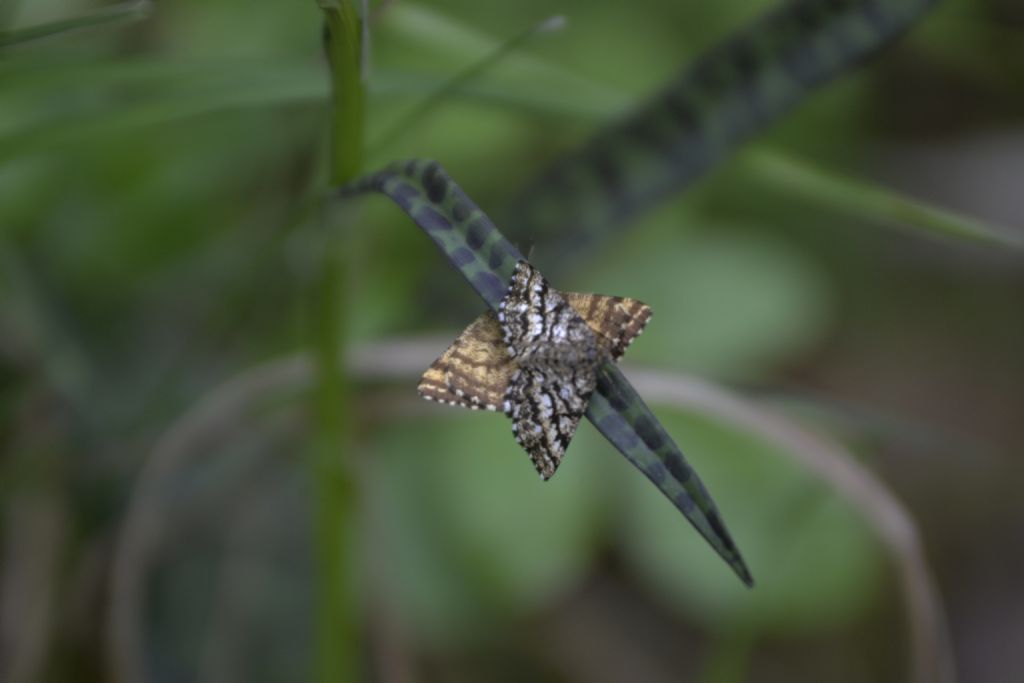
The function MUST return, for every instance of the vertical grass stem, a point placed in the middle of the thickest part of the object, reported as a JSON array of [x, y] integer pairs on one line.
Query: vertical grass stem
[[334, 496]]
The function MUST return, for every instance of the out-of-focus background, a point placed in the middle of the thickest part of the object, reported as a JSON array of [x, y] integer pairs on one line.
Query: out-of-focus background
[[159, 185]]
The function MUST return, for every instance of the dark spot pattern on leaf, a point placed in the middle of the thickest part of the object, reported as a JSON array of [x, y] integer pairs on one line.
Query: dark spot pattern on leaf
[[488, 283], [657, 473], [650, 434], [434, 183], [684, 503], [462, 257], [719, 528], [405, 195], [607, 388], [430, 220], [618, 401], [460, 212], [496, 258], [477, 234], [680, 470], [614, 424]]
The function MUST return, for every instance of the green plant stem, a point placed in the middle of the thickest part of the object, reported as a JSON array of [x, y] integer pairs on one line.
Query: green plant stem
[[343, 45], [334, 496]]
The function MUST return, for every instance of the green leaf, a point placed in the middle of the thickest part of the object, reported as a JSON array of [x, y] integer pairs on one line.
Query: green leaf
[[451, 47], [108, 98], [486, 259], [164, 92], [122, 12], [467, 529], [790, 174], [110, 103], [817, 561], [729, 302], [733, 91], [450, 86]]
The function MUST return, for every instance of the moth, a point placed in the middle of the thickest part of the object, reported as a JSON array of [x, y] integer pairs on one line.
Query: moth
[[536, 360]]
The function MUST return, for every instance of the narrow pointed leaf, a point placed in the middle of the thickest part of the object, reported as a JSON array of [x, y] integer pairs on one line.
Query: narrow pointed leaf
[[122, 12], [486, 259], [856, 196], [456, 43], [451, 86], [734, 90]]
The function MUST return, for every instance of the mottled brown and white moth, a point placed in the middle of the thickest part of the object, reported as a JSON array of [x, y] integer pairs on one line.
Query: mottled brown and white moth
[[536, 360]]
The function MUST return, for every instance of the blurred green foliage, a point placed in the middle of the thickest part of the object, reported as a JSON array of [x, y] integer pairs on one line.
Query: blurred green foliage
[[159, 186]]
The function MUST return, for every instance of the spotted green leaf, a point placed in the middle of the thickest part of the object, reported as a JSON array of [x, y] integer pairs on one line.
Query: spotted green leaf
[[734, 90], [486, 259]]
